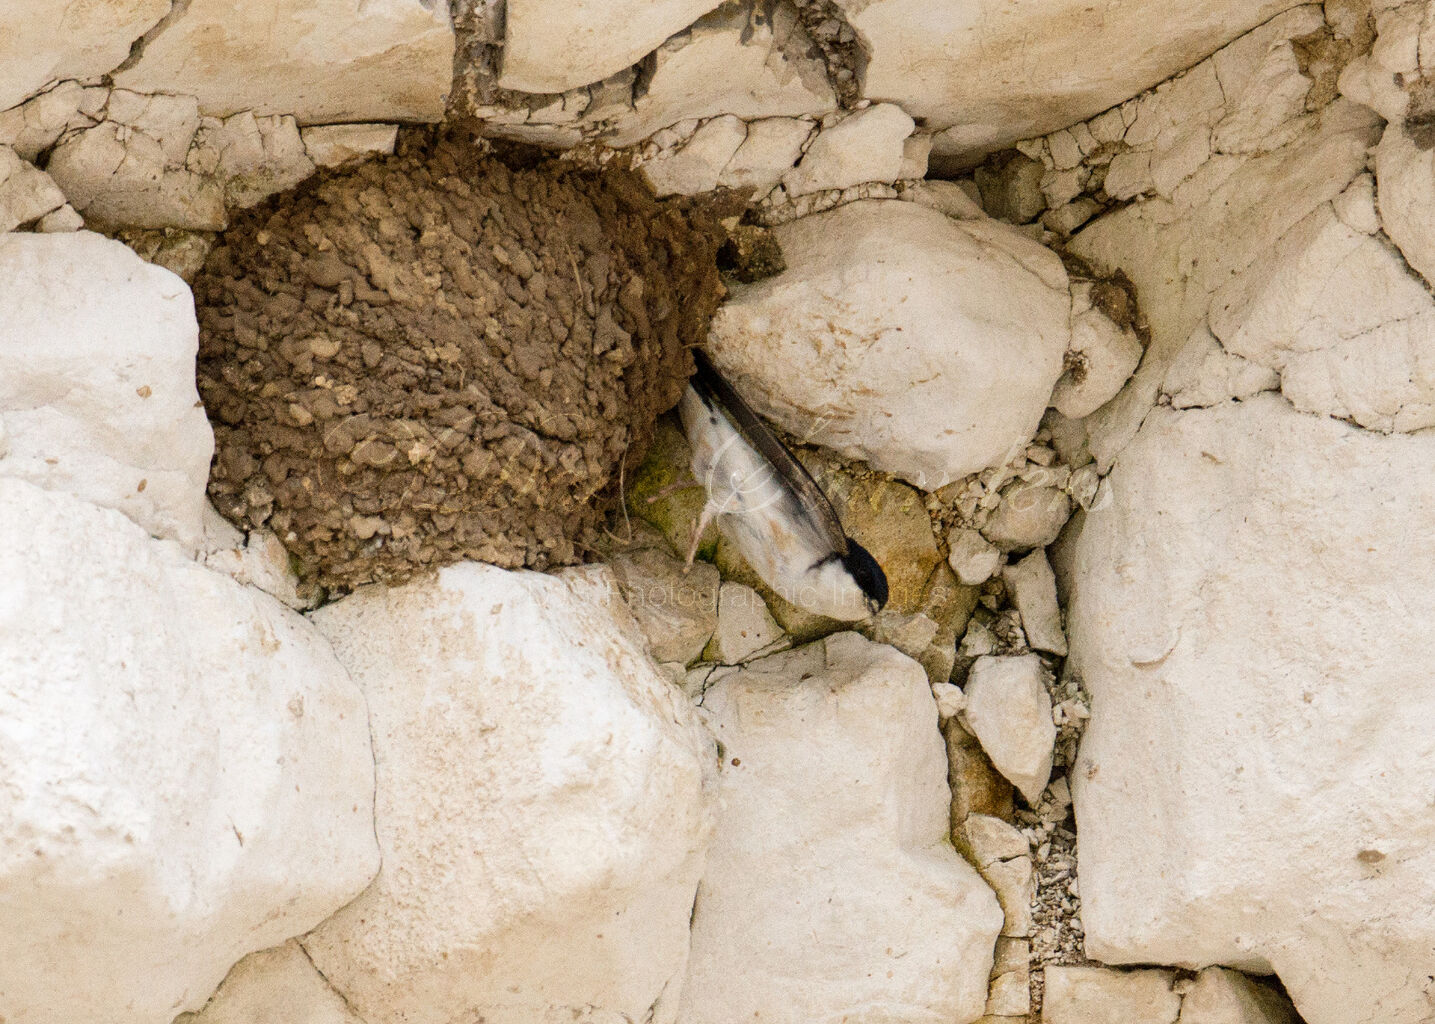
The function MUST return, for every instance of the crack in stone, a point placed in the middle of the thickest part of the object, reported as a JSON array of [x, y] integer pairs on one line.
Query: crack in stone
[[177, 10]]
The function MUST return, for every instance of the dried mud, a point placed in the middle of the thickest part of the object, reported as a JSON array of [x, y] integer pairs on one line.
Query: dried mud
[[443, 357]]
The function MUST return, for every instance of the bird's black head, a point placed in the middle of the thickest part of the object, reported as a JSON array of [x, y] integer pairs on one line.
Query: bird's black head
[[866, 572]]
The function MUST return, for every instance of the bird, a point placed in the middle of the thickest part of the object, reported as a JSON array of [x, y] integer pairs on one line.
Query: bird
[[770, 508]]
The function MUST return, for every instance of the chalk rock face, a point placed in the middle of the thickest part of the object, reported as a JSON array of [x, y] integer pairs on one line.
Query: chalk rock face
[[320, 61], [188, 772], [1229, 216], [698, 165], [745, 627], [1406, 173], [1252, 605], [552, 46], [1009, 710], [1378, 78], [736, 60], [27, 194], [1342, 319], [865, 146], [831, 891], [1103, 356], [155, 162], [675, 605], [925, 346], [346, 145], [1005, 71], [1221, 996], [1095, 995], [543, 804], [769, 148], [274, 986], [43, 42], [97, 390]]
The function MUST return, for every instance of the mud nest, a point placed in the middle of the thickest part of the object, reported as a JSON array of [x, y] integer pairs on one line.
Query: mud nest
[[444, 357]]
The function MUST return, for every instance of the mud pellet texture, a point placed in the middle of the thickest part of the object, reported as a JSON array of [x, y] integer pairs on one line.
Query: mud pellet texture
[[439, 357]]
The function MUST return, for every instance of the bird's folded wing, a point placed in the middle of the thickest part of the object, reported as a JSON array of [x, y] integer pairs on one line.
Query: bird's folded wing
[[713, 387]]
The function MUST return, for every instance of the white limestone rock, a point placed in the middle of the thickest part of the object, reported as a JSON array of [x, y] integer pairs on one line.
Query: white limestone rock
[[1064, 220], [1014, 882], [912, 634], [260, 561], [951, 701], [745, 628], [27, 193], [1001, 72], [1406, 177], [916, 152], [1268, 109], [1181, 153], [864, 146], [1253, 63], [972, 557], [1102, 357], [97, 385], [1375, 79], [1204, 374], [120, 175], [543, 804], [155, 162], [984, 840], [1178, 252], [1339, 316], [946, 197], [1009, 998], [343, 146], [255, 157], [1097, 995], [1129, 175], [675, 605], [1032, 587], [1030, 515], [321, 61], [737, 61], [1009, 711], [168, 119], [831, 892], [1356, 206], [551, 47], [66, 218], [1221, 996], [697, 165], [772, 146], [42, 42], [1253, 593], [924, 346], [1002, 857], [188, 771], [274, 986], [37, 124]]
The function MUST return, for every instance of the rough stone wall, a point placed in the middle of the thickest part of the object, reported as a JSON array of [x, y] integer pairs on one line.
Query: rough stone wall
[[1134, 408]]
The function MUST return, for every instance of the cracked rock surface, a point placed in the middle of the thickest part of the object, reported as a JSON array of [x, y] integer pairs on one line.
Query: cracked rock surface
[[316, 61], [831, 891], [189, 776], [544, 804], [1268, 574]]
